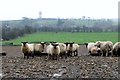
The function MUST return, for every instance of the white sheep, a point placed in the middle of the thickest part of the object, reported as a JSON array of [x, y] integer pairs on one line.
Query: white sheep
[[27, 49], [62, 50], [53, 50], [116, 49], [92, 49], [72, 49], [38, 48], [105, 47], [77, 46]]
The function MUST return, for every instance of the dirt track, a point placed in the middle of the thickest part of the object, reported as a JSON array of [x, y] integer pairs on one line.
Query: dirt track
[[15, 51], [82, 66]]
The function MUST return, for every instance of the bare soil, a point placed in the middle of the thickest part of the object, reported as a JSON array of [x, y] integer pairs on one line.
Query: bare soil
[[82, 66]]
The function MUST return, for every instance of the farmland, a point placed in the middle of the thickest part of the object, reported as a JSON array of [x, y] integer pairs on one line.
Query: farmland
[[68, 36], [82, 66]]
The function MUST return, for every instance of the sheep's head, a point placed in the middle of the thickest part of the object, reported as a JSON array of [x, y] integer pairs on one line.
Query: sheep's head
[[66, 43], [71, 44], [98, 44], [24, 43], [98, 50], [55, 45], [42, 43]]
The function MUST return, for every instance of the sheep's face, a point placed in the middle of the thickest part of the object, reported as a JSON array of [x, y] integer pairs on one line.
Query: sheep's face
[[71, 44], [98, 50], [98, 44], [24, 43], [55, 46], [66, 44], [43, 43]]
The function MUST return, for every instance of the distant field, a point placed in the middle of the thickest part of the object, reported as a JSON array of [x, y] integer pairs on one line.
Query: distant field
[[67, 36]]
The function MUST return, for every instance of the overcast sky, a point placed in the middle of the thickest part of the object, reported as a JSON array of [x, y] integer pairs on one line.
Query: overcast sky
[[16, 9]]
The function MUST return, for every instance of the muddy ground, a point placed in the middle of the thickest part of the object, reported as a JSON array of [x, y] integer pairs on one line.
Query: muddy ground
[[82, 66]]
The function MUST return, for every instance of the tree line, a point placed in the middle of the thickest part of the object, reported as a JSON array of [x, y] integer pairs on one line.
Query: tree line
[[28, 26]]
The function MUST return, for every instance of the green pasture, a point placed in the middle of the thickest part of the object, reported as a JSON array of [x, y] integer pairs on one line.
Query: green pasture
[[67, 37]]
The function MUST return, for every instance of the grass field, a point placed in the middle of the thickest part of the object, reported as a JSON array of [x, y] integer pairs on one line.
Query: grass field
[[67, 36]]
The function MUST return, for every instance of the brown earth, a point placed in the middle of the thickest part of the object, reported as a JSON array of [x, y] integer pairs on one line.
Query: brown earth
[[15, 51], [82, 66]]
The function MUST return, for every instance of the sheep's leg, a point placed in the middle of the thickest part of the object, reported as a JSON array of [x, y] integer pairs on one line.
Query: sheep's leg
[[76, 53], [102, 53], [116, 53], [111, 53], [65, 55], [40, 54], [24, 56], [68, 53], [27, 55], [71, 53], [61, 55], [49, 56], [57, 57], [32, 54], [53, 56], [107, 53]]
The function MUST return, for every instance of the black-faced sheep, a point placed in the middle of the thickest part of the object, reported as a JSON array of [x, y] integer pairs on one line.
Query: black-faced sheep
[[53, 51], [27, 49], [72, 49], [116, 49], [92, 49], [106, 47]]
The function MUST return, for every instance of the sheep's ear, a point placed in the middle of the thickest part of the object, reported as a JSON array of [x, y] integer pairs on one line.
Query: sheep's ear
[[66, 43], [56, 44]]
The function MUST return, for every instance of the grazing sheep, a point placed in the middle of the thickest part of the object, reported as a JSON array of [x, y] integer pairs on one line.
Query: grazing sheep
[[62, 50], [92, 49], [116, 49], [72, 48], [106, 47], [27, 49], [53, 50]]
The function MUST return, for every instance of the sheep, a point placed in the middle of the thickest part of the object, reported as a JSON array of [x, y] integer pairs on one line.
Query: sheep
[[116, 49], [72, 48], [53, 50], [92, 49], [105, 47], [27, 49], [38, 48], [62, 50]]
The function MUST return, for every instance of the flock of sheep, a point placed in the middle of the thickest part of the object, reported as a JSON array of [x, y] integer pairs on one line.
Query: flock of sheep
[[56, 50]]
